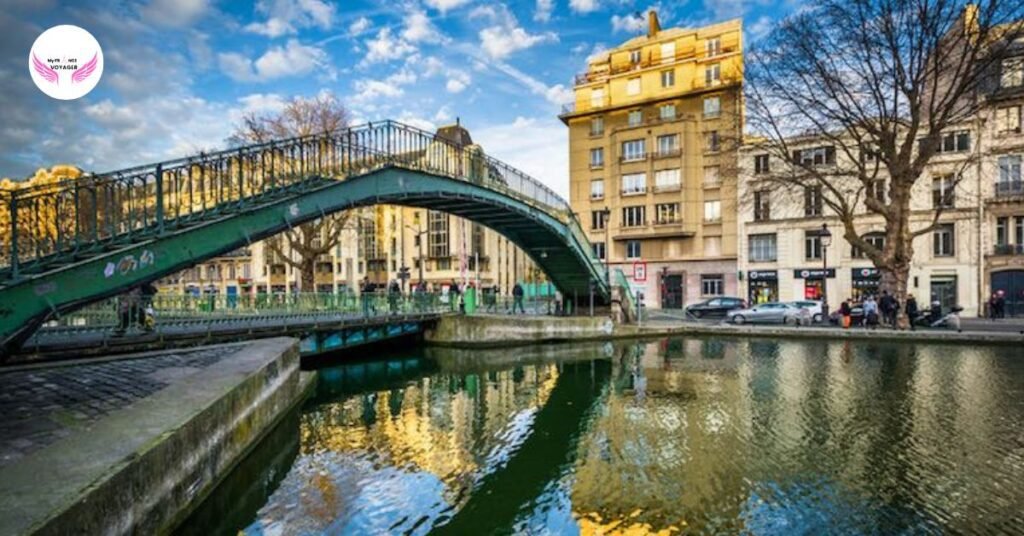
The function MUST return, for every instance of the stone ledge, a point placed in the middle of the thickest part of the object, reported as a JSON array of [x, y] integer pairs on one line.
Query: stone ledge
[[140, 469], [930, 336]]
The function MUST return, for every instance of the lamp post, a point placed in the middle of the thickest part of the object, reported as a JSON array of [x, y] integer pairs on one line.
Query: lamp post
[[606, 220], [825, 236]]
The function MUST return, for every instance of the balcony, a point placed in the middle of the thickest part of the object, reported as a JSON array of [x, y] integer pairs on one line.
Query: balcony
[[674, 152], [650, 62], [633, 158], [1004, 250]]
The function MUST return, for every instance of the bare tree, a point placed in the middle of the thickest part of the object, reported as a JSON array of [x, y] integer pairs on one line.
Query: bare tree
[[879, 82], [300, 117]]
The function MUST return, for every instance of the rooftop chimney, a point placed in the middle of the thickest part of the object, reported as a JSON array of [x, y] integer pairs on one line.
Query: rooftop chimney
[[653, 26]]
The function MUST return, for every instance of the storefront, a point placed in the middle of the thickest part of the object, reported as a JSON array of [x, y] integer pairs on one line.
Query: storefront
[[814, 281], [943, 290], [865, 283], [762, 286]]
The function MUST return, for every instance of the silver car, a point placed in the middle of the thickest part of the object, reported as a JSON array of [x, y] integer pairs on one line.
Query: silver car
[[813, 307], [770, 313]]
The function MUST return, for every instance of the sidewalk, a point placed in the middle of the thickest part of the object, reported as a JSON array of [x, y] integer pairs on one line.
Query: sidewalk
[[131, 444]]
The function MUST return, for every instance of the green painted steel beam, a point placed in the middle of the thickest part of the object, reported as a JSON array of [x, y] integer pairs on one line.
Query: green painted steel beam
[[25, 304]]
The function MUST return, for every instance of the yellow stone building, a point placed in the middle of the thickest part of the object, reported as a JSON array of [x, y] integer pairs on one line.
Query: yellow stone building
[[653, 137]]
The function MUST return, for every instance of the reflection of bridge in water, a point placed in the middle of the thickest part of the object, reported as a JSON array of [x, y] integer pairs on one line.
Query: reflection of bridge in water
[[79, 241]]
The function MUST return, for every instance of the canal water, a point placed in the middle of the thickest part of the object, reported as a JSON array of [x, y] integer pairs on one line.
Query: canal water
[[688, 436]]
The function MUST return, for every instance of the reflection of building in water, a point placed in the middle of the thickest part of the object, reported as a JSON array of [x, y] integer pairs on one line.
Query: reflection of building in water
[[446, 425]]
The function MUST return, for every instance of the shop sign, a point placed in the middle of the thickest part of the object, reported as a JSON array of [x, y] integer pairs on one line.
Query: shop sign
[[814, 273], [866, 273], [762, 275]]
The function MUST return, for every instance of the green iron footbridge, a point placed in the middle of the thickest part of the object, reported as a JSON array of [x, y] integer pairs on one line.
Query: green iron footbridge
[[81, 240]]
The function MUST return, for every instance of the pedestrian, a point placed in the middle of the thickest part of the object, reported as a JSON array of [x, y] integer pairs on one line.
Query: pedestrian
[[128, 309], [517, 298], [844, 314], [147, 312], [453, 295], [993, 306], [394, 292], [1001, 303], [889, 308], [870, 307], [911, 309], [366, 297]]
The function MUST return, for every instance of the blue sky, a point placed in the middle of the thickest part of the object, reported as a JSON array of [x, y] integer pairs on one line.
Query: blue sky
[[179, 74]]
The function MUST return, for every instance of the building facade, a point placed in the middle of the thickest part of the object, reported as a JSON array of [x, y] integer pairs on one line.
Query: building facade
[[653, 137]]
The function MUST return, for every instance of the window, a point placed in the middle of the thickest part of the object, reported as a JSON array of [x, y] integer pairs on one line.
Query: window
[[1009, 169], [598, 219], [943, 194], [955, 142], [667, 112], [1018, 231], [437, 237], [763, 248], [712, 74], [761, 164], [668, 145], [667, 213], [712, 246], [711, 285], [597, 189], [812, 201], [633, 150], [634, 56], [868, 154], [633, 86], [632, 249], [598, 249], [712, 106], [596, 98], [668, 78], [635, 216], [1012, 74], [597, 126], [666, 180], [876, 190], [877, 240], [712, 141], [712, 211], [943, 240], [597, 157], [762, 206], [1008, 120], [1002, 225], [812, 245], [668, 52], [713, 47], [818, 156], [635, 118], [711, 177], [634, 183]]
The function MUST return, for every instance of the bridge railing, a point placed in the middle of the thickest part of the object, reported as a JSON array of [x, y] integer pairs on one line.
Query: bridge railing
[[79, 217]]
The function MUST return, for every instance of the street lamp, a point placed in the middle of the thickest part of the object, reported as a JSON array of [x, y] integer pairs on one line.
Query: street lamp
[[826, 240]]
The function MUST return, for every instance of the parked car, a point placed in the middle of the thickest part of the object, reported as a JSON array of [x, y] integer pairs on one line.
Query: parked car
[[715, 307], [770, 313], [812, 306]]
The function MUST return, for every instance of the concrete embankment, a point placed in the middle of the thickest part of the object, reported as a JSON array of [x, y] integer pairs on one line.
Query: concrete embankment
[[142, 466], [498, 330]]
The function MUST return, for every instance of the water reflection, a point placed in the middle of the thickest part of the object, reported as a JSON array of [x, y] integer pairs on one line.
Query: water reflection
[[675, 436]]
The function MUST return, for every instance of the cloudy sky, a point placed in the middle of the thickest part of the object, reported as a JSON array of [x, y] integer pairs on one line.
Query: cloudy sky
[[178, 74]]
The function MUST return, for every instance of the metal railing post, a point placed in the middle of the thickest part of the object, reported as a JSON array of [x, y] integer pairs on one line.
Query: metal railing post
[[159, 198], [14, 234]]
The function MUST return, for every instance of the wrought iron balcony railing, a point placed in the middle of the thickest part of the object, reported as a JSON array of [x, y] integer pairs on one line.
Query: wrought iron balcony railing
[[1008, 249]]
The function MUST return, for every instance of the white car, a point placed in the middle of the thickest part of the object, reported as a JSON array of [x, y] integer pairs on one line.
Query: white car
[[813, 307], [770, 313]]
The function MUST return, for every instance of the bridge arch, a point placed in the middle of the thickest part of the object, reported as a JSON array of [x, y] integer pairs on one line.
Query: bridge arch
[[384, 164]]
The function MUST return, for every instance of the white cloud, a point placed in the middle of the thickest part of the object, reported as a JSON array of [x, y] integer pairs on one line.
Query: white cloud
[[287, 16], [446, 5], [359, 26], [262, 103], [556, 94], [628, 23], [175, 13], [499, 42], [386, 47], [371, 90], [544, 9], [760, 28], [455, 86], [293, 59], [410, 118], [418, 28], [538, 146], [584, 6], [443, 115]]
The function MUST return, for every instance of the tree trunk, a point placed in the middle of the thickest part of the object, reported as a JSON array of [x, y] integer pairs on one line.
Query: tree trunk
[[899, 250], [307, 275]]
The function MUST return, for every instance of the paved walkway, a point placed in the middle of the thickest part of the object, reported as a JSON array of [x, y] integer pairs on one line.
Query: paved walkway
[[41, 404]]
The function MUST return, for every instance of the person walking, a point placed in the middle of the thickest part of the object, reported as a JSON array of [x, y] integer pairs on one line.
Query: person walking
[[911, 309], [453, 295], [366, 297], [993, 306], [1001, 303], [870, 312], [517, 298], [394, 292], [890, 307]]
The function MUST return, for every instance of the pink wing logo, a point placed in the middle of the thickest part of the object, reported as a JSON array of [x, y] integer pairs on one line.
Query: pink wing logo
[[84, 71], [45, 71]]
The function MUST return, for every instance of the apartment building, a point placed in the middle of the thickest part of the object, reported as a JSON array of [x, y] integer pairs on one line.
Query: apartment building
[[653, 136]]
